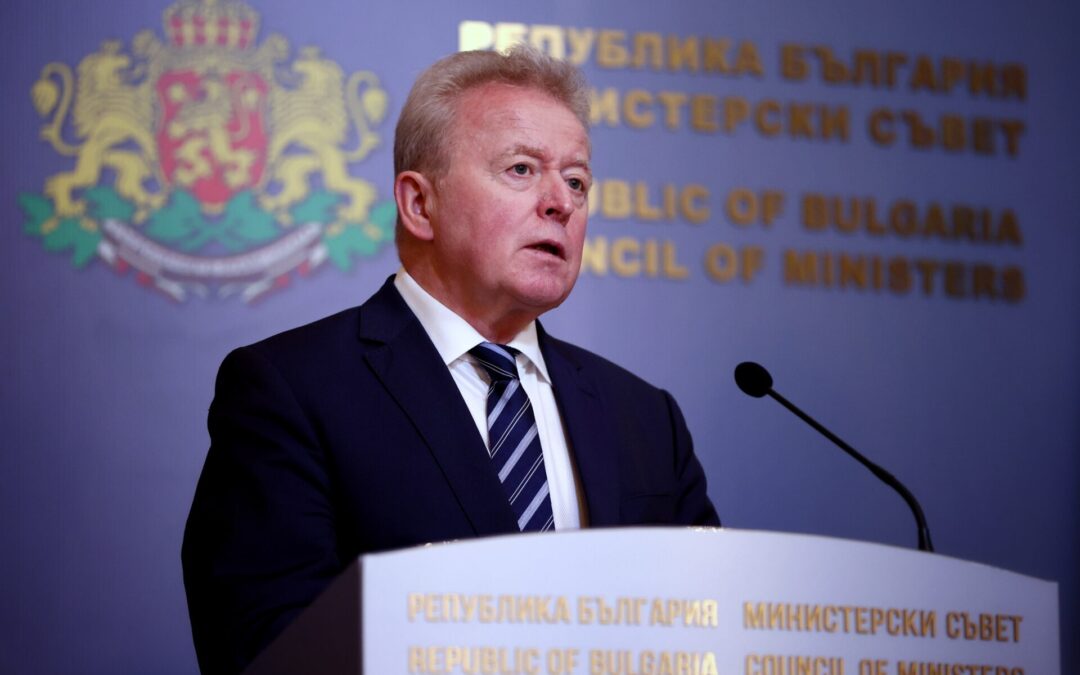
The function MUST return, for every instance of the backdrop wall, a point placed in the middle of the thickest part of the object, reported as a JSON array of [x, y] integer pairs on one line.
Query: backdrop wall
[[876, 202]]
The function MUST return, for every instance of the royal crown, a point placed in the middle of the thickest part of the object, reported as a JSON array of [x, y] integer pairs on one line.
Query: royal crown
[[227, 24]]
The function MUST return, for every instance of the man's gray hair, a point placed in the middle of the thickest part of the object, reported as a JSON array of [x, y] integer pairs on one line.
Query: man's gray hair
[[422, 137]]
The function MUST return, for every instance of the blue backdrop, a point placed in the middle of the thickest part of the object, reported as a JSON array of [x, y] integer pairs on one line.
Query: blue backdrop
[[876, 202]]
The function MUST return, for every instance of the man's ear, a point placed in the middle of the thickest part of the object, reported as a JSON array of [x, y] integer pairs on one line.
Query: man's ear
[[415, 197]]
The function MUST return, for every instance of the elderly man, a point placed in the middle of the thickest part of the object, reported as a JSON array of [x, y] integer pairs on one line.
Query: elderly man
[[439, 409]]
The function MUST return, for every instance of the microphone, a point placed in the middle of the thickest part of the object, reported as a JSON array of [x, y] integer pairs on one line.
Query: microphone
[[755, 381]]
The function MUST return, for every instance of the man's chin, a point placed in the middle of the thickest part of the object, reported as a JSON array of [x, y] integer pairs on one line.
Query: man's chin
[[540, 297]]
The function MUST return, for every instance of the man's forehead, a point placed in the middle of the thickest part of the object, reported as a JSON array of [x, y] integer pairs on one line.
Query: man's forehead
[[516, 125], [514, 105]]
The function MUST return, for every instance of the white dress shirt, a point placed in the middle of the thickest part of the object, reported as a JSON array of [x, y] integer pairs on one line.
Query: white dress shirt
[[453, 338]]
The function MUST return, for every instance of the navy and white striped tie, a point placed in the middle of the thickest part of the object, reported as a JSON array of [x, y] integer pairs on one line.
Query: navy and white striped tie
[[513, 441]]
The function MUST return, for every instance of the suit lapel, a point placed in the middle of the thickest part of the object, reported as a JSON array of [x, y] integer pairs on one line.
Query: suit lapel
[[585, 417], [409, 366]]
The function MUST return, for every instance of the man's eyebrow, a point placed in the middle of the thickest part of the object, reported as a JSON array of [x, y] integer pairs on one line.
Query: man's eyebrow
[[530, 150], [539, 153], [582, 163]]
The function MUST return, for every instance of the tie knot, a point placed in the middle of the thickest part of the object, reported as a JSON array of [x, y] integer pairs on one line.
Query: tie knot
[[497, 360]]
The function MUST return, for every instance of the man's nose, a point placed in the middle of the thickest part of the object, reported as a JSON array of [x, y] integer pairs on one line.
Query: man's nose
[[556, 197]]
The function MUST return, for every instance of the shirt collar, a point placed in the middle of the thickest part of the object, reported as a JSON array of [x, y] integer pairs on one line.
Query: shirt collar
[[452, 335]]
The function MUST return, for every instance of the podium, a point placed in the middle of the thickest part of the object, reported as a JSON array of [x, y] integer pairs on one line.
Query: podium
[[652, 601]]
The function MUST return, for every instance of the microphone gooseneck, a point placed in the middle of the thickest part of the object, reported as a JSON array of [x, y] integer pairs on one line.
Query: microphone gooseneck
[[755, 381]]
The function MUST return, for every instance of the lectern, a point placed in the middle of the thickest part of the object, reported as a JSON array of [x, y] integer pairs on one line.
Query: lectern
[[652, 601]]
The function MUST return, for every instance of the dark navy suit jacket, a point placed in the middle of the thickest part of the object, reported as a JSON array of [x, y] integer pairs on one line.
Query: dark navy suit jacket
[[349, 436]]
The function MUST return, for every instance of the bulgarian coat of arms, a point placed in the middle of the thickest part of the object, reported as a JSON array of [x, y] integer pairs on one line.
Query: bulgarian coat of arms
[[209, 163]]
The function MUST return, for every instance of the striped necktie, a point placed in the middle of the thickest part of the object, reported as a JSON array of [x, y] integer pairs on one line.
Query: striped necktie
[[513, 441]]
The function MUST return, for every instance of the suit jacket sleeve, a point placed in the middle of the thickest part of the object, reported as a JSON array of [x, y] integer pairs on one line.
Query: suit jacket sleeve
[[661, 479], [693, 506], [631, 445], [260, 541]]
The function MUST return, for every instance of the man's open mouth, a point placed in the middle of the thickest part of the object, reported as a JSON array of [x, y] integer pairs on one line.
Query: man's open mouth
[[548, 247]]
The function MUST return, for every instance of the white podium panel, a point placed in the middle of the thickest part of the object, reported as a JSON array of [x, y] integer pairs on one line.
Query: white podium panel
[[641, 601], [657, 601]]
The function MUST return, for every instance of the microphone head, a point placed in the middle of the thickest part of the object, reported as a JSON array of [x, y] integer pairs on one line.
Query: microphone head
[[753, 379]]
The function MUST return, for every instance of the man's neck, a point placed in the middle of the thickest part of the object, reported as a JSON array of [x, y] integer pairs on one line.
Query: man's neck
[[495, 326]]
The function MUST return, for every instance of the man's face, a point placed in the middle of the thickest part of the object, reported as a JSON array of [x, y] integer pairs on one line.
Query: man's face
[[509, 214]]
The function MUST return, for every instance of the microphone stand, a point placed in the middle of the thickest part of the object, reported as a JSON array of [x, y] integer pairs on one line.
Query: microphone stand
[[886, 477]]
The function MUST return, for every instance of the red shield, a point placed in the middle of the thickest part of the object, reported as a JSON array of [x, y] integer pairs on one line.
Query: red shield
[[212, 136]]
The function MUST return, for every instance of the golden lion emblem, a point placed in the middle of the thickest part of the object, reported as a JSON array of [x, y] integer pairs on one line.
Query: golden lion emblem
[[109, 111], [314, 117]]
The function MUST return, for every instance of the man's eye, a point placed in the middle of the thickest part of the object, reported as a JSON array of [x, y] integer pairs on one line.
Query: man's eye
[[521, 169], [576, 184]]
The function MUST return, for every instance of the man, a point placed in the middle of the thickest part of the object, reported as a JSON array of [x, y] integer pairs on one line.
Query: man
[[439, 409]]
